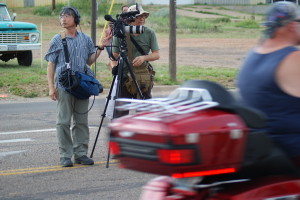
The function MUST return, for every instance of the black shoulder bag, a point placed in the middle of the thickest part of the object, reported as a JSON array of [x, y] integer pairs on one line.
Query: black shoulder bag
[[78, 84]]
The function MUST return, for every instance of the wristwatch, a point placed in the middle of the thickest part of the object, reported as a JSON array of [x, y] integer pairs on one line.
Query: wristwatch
[[100, 48]]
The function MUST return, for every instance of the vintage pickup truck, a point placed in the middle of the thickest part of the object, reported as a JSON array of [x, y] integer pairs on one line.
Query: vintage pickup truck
[[17, 39]]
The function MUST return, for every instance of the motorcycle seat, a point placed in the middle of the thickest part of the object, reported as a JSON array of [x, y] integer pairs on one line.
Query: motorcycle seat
[[252, 117]]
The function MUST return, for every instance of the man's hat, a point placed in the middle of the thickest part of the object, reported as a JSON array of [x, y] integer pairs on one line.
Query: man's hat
[[281, 13], [133, 8]]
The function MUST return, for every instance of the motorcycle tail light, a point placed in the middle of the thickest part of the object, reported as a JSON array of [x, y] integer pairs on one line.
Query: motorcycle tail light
[[176, 156], [204, 173], [114, 148]]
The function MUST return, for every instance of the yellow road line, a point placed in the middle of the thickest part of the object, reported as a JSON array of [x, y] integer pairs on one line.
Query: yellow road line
[[46, 169]]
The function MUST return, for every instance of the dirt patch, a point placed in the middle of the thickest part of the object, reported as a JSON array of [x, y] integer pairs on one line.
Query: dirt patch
[[208, 12], [199, 52], [203, 52]]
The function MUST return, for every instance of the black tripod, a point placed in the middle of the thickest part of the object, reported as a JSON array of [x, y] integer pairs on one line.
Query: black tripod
[[122, 59]]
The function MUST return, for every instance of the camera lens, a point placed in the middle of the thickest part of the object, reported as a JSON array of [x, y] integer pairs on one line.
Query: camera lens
[[134, 29]]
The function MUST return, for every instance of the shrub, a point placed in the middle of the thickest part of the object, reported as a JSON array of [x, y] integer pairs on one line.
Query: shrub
[[222, 20], [42, 10], [85, 6], [162, 12], [249, 23], [47, 10]]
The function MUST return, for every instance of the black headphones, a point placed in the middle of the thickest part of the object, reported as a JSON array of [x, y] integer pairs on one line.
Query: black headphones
[[76, 13]]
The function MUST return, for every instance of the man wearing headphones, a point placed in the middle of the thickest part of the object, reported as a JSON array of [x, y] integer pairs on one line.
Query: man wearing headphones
[[82, 52]]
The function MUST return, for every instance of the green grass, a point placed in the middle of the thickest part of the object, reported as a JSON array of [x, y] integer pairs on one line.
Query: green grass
[[47, 10], [23, 81], [248, 24], [32, 81], [224, 76]]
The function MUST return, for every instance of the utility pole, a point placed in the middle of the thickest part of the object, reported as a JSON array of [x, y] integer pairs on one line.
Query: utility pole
[[172, 41], [53, 5], [93, 20]]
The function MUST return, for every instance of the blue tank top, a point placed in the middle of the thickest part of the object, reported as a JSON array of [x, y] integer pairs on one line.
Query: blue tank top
[[256, 82]]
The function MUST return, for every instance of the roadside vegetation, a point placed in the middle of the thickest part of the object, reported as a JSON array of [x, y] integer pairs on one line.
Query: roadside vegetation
[[32, 81]]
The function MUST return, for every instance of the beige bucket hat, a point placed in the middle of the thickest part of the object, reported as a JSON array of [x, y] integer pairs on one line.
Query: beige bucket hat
[[133, 8]]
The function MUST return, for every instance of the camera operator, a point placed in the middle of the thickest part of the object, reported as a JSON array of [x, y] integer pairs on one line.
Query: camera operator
[[141, 68], [82, 52]]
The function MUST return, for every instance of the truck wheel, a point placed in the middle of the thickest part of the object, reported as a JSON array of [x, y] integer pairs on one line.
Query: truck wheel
[[25, 58]]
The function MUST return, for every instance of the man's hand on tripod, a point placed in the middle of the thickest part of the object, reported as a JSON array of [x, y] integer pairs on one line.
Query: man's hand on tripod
[[114, 70]]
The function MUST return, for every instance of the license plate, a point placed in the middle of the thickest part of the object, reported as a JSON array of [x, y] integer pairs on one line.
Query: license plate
[[12, 47]]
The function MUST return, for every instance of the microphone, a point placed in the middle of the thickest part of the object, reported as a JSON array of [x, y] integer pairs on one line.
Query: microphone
[[109, 18]]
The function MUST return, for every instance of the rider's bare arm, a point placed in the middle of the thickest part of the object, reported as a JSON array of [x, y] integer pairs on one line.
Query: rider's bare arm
[[288, 74]]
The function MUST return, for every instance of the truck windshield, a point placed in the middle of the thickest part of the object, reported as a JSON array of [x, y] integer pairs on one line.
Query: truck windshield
[[4, 15]]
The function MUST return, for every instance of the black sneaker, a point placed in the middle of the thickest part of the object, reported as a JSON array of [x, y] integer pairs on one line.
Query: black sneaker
[[66, 162], [84, 160]]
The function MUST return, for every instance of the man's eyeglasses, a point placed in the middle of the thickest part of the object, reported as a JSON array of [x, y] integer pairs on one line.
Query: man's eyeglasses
[[65, 16], [296, 20], [141, 16]]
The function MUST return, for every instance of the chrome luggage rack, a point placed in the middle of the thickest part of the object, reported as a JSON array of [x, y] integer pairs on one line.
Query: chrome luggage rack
[[180, 101]]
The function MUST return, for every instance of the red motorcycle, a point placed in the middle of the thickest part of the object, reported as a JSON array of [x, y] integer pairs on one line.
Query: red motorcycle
[[206, 145]]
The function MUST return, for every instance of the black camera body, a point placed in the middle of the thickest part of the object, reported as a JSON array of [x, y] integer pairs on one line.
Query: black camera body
[[120, 26], [129, 17]]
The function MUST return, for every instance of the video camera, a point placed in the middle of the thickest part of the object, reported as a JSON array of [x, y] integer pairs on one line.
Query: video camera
[[120, 26]]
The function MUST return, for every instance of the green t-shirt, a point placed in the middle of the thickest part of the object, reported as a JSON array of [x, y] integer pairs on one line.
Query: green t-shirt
[[146, 40]]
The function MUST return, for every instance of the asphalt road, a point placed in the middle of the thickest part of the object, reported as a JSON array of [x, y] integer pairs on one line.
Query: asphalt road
[[29, 159]]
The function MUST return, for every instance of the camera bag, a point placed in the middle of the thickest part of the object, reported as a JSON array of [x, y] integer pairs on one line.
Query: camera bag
[[78, 84], [144, 74]]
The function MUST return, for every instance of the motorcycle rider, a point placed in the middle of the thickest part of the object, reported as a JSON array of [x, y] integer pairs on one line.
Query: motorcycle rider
[[269, 77]]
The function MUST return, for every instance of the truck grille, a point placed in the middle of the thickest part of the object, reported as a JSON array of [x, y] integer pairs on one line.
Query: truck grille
[[8, 38]]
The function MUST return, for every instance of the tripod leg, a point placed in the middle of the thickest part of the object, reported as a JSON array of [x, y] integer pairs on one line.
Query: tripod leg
[[119, 85], [108, 155], [103, 114]]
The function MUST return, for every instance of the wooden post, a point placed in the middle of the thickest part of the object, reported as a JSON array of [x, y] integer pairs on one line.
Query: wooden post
[[41, 39], [93, 21], [172, 41], [53, 5]]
